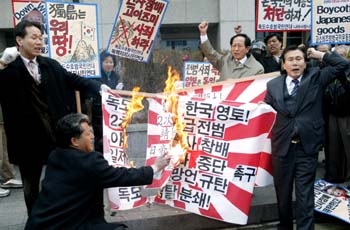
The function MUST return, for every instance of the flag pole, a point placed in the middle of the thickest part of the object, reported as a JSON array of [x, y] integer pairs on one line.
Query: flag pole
[[284, 39]]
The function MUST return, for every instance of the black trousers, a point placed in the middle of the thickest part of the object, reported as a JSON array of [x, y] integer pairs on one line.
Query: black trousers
[[30, 174], [300, 169], [337, 149]]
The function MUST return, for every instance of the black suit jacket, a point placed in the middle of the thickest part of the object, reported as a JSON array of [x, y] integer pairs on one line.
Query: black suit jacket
[[308, 112], [26, 137], [72, 191]]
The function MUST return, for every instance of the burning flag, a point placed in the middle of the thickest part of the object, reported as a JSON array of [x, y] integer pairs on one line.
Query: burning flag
[[134, 106], [179, 144]]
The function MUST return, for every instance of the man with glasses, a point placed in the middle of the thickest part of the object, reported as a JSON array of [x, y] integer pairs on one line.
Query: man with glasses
[[235, 64]]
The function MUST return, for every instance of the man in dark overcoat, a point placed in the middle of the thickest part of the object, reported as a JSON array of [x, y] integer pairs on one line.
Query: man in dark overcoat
[[35, 91]]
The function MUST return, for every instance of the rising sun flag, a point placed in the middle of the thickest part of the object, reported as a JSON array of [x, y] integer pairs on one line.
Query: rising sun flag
[[134, 106], [219, 139], [179, 143]]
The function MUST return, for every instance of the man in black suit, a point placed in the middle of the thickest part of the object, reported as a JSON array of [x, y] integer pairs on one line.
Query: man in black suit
[[72, 191], [35, 91], [297, 134]]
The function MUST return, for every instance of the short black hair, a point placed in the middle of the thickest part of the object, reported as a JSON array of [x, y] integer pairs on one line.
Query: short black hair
[[20, 29], [105, 54], [247, 41], [279, 38], [70, 126], [291, 48]]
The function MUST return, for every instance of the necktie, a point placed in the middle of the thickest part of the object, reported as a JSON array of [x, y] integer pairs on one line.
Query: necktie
[[33, 70], [295, 89]]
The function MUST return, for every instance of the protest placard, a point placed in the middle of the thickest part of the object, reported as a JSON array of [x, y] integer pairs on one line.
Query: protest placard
[[199, 73], [32, 11], [73, 38], [135, 29], [332, 199], [330, 22], [272, 15]]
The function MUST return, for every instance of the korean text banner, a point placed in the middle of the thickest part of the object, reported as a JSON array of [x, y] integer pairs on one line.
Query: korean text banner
[[245, 90], [73, 38], [332, 199], [114, 109], [199, 73], [135, 28], [227, 140], [32, 11], [330, 22], [272, 15], [229, 150]]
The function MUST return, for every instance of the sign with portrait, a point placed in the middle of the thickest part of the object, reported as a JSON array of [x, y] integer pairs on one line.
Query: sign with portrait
[[332, 199], [32, 11]]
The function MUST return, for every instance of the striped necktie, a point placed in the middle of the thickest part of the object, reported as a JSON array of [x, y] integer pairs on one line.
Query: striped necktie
[[296, 87], [33, 70]]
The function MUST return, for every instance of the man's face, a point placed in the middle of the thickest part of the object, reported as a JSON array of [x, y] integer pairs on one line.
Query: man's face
[[238, 48], [323, 48], [342, 52], [86, 140], [294, 63], [274, 45], [30, 46], [335, 192]]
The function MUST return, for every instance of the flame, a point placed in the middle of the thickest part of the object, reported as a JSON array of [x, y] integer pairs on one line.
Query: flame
[[134, 106], [172, 107]]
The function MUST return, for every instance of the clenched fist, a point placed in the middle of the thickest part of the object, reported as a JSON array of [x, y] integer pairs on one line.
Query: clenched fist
[[9, 55], [203, 27]]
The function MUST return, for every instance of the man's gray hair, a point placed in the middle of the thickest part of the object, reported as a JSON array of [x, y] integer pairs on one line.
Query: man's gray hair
[[70, 126]]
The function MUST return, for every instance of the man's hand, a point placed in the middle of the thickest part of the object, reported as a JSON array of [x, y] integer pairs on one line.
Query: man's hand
[[238, 29], [312, 53], [9, 55], [104, 88], [203, 27], [161, 162]]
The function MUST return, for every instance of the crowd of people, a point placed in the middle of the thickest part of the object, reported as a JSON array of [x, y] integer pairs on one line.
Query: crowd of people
[[308, 96]]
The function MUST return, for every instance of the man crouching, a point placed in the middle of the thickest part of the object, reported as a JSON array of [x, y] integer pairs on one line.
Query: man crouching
[[72, 191]]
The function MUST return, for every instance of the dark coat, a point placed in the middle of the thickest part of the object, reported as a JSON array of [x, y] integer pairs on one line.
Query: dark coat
[[111, 81], [337, 95], [268, 62], [72, 191], [27, 139], [93, 101], [308, 112]]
